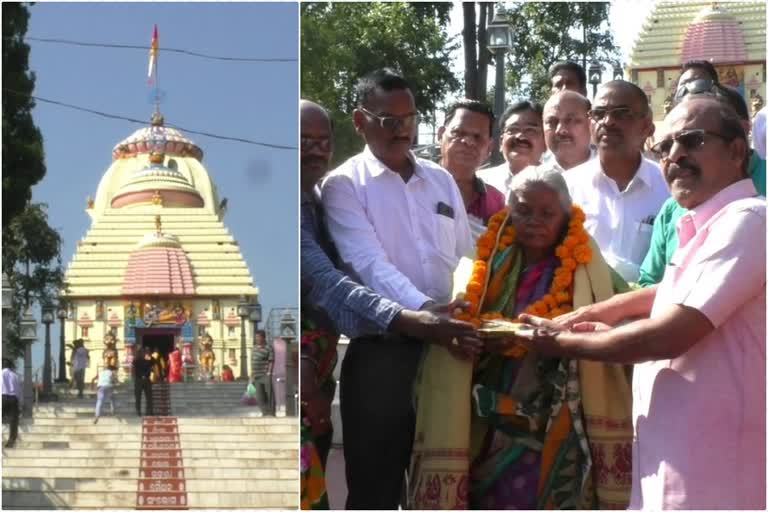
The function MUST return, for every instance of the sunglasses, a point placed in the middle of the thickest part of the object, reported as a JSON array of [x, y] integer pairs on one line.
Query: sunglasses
[[695, 87], [691, 140], [618, 113], [393, 123], [324, 144]]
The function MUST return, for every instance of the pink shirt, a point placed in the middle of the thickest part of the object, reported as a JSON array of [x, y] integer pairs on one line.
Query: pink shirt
[[700, 418]]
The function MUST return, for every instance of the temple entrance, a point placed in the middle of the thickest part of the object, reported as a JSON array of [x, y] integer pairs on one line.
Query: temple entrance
[[163, 343]]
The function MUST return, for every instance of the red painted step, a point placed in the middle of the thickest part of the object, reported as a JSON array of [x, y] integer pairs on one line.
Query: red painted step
[[161, 484]]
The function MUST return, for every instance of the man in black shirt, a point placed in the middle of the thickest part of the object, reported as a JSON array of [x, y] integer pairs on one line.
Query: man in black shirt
[[142, 368]]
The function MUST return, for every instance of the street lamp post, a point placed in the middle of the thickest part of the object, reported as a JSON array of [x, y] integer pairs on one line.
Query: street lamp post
[[499, 42], [61, 313], [255, 314], [28, 335], [7, 307], [243, 311], [618, 72], [47, 318], [595, 76]]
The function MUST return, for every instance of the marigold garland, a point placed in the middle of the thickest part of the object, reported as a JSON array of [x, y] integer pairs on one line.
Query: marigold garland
[[573, 251]]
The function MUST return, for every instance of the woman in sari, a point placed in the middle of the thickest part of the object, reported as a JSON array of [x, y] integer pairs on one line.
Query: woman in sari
[[318, 386], [525, 431]]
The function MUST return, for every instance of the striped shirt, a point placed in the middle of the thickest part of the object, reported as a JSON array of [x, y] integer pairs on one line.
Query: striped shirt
[[328, 296], [263, 355]]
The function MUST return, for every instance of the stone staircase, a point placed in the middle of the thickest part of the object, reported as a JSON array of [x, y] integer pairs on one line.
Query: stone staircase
[[231, 457]]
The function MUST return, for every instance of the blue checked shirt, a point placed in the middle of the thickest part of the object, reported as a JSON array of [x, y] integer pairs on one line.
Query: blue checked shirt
[[328, 296]]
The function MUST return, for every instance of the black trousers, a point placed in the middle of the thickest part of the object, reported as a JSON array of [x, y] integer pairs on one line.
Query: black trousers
[[11, 415], [378, 418], [143, 385]]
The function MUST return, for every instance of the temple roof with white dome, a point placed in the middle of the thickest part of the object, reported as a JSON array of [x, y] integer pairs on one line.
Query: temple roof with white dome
[[125, 252]]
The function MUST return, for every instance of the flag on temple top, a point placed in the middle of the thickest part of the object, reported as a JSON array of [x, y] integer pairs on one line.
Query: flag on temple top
[[153, 57]]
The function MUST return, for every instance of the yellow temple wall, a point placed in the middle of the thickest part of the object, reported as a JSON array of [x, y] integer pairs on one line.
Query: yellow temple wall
[[226, 342], [748, 78]]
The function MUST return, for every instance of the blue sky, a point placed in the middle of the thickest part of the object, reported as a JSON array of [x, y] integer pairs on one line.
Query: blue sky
[[256, 101]]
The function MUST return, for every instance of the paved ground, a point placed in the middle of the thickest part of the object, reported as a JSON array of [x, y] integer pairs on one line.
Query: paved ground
[[334, 479]]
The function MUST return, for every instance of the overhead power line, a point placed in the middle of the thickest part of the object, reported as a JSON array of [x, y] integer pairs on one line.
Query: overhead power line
[[144, 122], [162, 49]]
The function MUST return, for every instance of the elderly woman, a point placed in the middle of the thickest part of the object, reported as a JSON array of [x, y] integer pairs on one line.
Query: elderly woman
[[537, 432]]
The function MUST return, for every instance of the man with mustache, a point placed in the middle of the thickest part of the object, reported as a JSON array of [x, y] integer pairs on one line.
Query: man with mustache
[[522, 144], [664, 238], [566, 130], [698, 342], [465, 144], [620, 191], [401, 227], [330, 300], [568, 76]]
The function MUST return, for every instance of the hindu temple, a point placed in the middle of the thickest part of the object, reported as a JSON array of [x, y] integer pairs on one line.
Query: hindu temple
[[730, 35], [158, 267]]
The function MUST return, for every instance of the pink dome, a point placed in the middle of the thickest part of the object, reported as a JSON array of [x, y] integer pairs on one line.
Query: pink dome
[[714, 36], [158, 271]]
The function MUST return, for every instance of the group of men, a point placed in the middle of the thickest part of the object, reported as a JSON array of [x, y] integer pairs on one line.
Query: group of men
[[383, 233]]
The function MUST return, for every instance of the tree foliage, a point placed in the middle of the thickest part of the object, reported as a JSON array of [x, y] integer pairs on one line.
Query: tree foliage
[[32, 261], [340, 42], [23, 158], [547, 32]]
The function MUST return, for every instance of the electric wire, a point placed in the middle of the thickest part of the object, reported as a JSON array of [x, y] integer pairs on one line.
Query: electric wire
[[162, 49], [144, 122]]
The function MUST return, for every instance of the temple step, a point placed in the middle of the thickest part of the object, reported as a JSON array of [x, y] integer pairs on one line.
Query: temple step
[[63, 460]]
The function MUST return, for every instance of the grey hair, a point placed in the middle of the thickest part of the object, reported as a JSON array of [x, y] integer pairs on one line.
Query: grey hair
[[547, 175]]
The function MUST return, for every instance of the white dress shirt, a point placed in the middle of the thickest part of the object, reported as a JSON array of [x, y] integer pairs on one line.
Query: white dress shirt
[[389, 233], [548, 158], [11, 384], [621, 222]]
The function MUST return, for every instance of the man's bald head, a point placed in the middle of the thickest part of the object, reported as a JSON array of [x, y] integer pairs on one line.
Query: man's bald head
[[316, 143], [310, 108], [567, 96]]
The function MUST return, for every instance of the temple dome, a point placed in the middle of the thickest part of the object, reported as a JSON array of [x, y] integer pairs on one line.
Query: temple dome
[[157, 137], [157, 184], [714, 36], [158, 266]]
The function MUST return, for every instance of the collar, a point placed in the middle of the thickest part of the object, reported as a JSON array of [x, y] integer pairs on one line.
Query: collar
[[377, 167], [733, 192], [642, 173]]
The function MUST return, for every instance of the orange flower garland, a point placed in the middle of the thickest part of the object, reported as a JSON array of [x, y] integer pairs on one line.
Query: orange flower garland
[[573, 251]]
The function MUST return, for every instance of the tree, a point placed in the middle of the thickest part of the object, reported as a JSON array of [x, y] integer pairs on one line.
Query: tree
[[32, 261], [23, 158], [340, 42], [476, 54], [543, 33], [31, 252]]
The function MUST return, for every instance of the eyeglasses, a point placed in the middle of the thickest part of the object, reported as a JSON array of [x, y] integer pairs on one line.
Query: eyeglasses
[[324, 144], [695, 87], [527, 131], [618, 114], [393, 123], [691, 140]]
